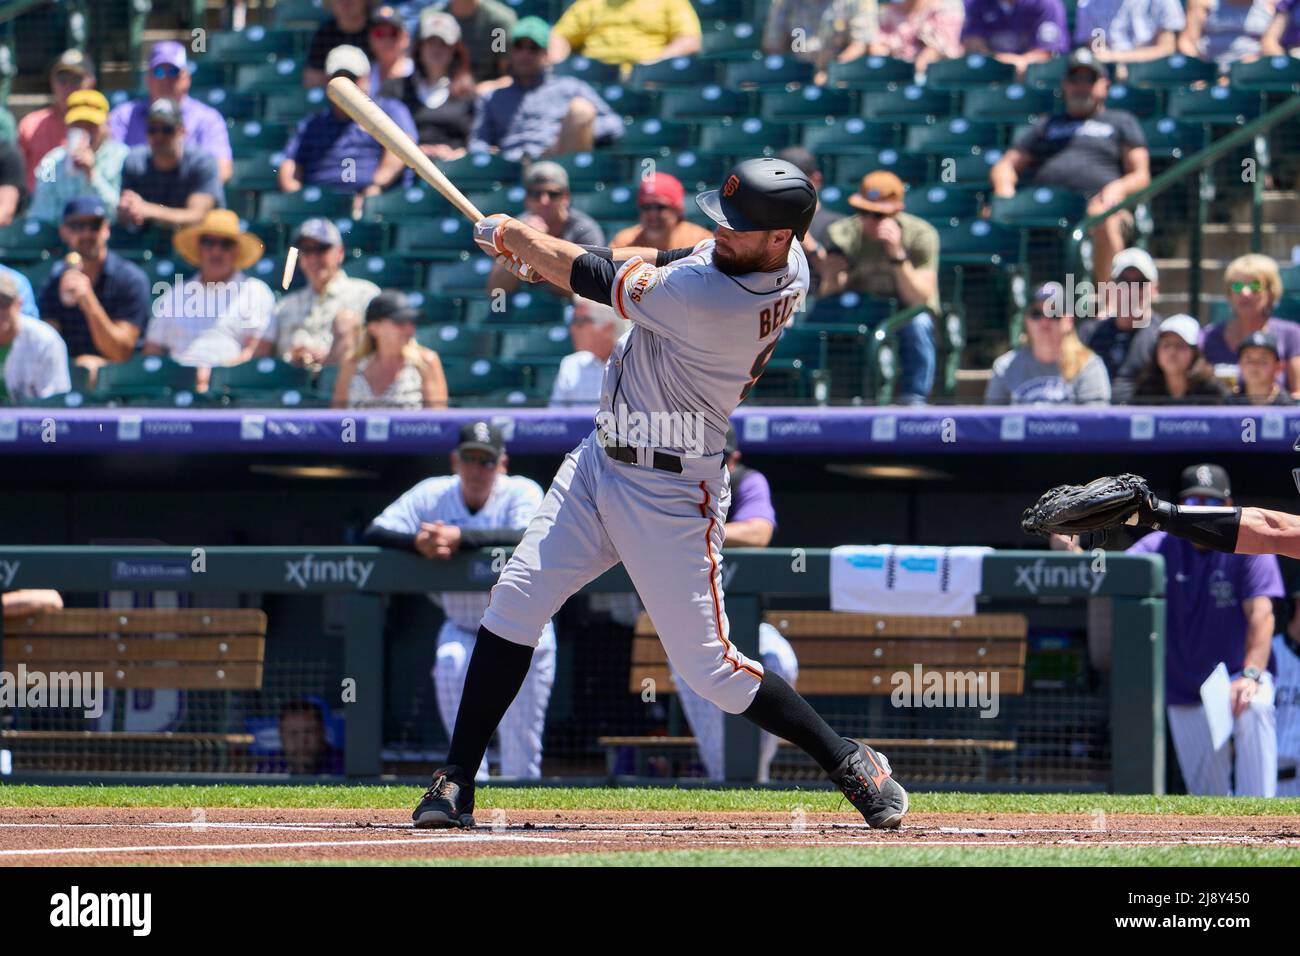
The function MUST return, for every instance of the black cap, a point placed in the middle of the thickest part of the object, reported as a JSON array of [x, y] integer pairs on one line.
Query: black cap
[[1259, 340], [481, 436], [762, 194], [1084, 58], [391, 304], [1209, 481]]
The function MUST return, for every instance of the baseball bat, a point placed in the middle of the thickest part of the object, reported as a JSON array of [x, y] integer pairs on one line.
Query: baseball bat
[[349, 97]]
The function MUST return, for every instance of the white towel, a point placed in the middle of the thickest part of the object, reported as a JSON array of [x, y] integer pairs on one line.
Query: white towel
[[891, 579]]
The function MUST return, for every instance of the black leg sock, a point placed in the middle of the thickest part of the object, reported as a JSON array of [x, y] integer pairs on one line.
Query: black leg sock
[[779, 710], [497, 669]]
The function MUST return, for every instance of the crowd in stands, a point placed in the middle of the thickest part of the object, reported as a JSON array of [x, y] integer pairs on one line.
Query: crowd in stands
[[473, 77]]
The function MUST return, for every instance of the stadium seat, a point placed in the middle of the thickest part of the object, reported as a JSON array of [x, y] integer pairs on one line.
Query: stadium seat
[[166, 268], [711, 102], [907, 103], [257, 378], [850, 168], [525, 306], [270, 269], [629, 102], [456, 341], [730, 41], [464, 278], [37, 272], [535, 342], [254, 44], [478, 377], [414, 204], [1173, 72], [651, 137], [1047, 74], [805, 103], [743, 138], [969, 165], [772, 72], [1216, 105], [978, 242], [614, 203], [75, 398], [1013, 103], [436, 309], [847, 136], [255, 135], [284, 74], [255, 171], [289, 14], [1039, 207], [850, 308], [680, 72], [137, 244], [306, 203], [1271, 74], [504, 198], [695, 171], [475, 171], [966, 72], [143, 377], [586, 170], [385, 272], [725, 10], [230, 105], [869, 73], [371, 237], [290, 106], [26, 240], [1139, 101], [532, 8], [947, 137], [1170, 139], [942, 203], [835, 197], [443, 238], [584, 68]]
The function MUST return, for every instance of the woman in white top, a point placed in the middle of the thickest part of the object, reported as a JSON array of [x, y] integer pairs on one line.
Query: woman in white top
[[389, 369]]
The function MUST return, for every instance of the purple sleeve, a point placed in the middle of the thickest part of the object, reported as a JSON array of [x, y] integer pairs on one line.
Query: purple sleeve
[[295, 139], [1288, 337], [1148, 545], [211, 134], [1051, 33], [1261, 577], [752, 499], [118, 120], [971, 25]]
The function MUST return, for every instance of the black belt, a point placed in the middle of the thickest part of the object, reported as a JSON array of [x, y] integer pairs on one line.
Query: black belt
[[662, 460]]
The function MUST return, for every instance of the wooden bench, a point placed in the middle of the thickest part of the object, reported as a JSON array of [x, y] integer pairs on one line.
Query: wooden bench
[[190, 649], [852, 654]]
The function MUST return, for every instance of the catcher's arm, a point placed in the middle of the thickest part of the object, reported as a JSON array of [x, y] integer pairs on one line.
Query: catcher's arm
[[1268, 532]]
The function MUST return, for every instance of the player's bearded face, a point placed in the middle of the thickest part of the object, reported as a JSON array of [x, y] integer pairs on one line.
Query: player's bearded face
[[739, 253]]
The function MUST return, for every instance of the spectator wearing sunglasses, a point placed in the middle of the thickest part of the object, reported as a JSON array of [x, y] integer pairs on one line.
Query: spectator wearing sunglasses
[[169, 77], [389, 45], [219, 315], [89, 165], [1051, 366], [539, 113], [33, 359], [389, 369], [548, 208], [98, 301], [661, 210], [350, 26], [42, 130], [1259, 363], [1178, 373], [1254, 287], [319, 325], [166, 183]]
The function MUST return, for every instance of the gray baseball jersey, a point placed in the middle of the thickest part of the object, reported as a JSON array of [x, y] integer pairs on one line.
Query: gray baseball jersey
[[699, 341], [513, 502]]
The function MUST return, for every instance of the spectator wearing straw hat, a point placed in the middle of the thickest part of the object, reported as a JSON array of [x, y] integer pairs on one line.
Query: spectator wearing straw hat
[[661, 210], [219, 315], [89, 165], [33, 359], [42, 130]]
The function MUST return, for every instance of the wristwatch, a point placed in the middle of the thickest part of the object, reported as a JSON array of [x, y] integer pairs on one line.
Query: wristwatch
[[1253, 673]]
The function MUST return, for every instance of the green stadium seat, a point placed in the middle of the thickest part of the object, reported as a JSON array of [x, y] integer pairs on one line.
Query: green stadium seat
[[744, 138], [475, 171], [651, 137], [711, 102], [730, 41], [847, 136], [978, 242], [76, 398], [805, 103], [465, 278], [414, 204], [869, 73], [835, 197], [370, 237], [37, 272], [154, 377], [136, 244], [436, 309], [629, 102], [1216, 105], [306, 203], [270, 269], [941, 202], [695, 171], [1171, 139], [531, 342], [284, 74], [443, 238], [1039, 207], [1173, 72], [726, 10], [1047, 74], [850, 308], [259, 377], [525, 306], [1271, 74], [272, 234], [291, 105], [947, 137], [26, 240], [323, 387], [479, 377], [908, 103], [584, 68], [532, 8], [616, 203], [255, 135], [586, 170], [962, 73], [680, 71], [254, 44], [850, 168], [1013, 103], [383, 271], [255, 172], [772, 72], [165, 268], [969, 166], [502, 199], [456, 341], [299, 13], [1140, 101], [230, 105]]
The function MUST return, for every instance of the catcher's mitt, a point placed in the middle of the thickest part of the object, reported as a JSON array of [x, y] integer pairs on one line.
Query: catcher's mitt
[[1101, 504]]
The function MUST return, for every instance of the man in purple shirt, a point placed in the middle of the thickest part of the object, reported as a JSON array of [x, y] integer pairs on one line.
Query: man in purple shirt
[[169, 78], [540, 114], [1018, 32], [1219, 610]]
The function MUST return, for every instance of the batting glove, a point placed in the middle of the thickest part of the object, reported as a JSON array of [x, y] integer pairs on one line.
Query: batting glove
[[487, 232], [519, 269]]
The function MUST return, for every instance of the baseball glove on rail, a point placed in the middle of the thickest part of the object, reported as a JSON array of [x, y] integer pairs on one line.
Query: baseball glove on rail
[[1074, 509]]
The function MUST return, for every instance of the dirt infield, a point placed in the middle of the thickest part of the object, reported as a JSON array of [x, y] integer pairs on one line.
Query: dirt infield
[[111, 836]]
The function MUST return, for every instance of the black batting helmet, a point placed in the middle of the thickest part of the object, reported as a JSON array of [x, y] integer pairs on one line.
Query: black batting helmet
[[761, 194]]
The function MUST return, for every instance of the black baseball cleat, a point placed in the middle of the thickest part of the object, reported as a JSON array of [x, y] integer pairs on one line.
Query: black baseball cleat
[[866, 779], [449, 801]]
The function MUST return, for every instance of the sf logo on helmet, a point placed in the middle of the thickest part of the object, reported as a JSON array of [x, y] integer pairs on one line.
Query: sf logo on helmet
[[729, 189]]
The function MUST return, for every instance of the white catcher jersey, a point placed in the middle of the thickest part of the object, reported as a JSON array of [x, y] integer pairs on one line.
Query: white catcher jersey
[[512, 504], [699, 341]]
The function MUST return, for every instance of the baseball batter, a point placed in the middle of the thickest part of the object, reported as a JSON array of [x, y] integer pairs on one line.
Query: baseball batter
[[647, 487], [479, 505]]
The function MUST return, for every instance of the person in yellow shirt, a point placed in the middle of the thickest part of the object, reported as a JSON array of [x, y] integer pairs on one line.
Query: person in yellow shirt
[[626, 32]]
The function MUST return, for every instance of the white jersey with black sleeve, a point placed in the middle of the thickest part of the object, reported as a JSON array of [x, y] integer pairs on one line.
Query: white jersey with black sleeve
[[699, 341]]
